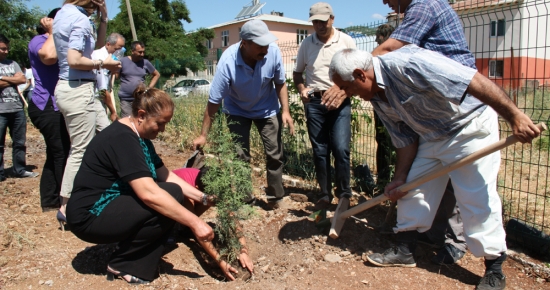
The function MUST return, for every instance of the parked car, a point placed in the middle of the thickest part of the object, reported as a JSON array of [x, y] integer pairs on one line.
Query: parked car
[[189, 87]]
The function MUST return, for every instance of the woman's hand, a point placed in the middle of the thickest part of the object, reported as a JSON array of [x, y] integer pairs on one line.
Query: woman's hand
[[246, 262], [227, 270], [102, 8], [202, 231], [47, 24]]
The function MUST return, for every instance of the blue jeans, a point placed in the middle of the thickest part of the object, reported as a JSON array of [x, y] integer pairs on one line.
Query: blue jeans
[[330, 131], [17, 124]]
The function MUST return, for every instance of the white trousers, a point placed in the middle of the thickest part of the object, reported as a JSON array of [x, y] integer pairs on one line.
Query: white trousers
[[475, 187], [84, 115]]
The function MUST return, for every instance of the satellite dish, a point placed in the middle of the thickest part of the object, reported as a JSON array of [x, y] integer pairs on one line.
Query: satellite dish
[[250, 10]]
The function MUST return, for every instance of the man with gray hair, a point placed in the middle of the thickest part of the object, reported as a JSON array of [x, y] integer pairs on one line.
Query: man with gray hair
[[113, 43], [431, 111], [251, 82]]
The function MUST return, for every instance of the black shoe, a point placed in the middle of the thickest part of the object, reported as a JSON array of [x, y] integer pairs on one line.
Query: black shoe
[[393, 257], [323, 203], [448, 255], [492, 281], [424, 239]]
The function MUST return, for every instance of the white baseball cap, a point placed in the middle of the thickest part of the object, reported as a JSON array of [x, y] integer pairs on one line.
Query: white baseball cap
[[257, 31], [320, 11]]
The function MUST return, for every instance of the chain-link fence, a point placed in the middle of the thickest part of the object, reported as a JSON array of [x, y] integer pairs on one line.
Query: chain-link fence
[[510, 42]]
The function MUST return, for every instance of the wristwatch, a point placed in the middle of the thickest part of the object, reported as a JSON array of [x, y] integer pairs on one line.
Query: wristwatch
[[204, 199]]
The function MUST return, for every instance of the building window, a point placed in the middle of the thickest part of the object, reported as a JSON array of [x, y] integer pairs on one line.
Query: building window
[[225, 38], [496, 68], [301, 34], [210, 67], [498, 27], [209, 43]]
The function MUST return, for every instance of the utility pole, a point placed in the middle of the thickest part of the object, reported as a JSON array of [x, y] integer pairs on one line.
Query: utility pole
[[132, 27]]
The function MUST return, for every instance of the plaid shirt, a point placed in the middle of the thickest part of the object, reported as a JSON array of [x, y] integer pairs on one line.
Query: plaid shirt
[[434, 25], [424, 91]]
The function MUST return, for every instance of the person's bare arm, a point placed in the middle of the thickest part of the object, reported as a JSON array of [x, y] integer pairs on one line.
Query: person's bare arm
[[405, 158], [109, 103], [491, 94], [209, 115], [162, 202], [389, 45], [17, 79], [102, 30], [244, 256], [282, 92], [298, 78], [154, 80], [189, 191], [47, 53], [77, 61]]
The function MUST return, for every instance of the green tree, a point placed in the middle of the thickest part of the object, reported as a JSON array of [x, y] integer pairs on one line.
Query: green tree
[[159, 24], [18, 24], [228, 180]]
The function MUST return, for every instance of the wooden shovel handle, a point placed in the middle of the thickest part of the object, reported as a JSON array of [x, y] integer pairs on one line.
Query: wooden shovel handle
[[439, 172]]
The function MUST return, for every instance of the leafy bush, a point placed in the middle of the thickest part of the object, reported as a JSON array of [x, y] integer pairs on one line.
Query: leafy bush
[[228, 179]]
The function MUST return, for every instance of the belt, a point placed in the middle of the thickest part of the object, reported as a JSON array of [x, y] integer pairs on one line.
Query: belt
[[318, 94], [81, 80]]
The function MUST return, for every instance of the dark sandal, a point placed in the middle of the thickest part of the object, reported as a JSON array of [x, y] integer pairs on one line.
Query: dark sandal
[[112, 274]]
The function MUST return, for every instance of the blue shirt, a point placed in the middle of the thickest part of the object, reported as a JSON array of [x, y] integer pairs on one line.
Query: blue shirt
[[248, 92], [72, 30], [424, 89], [434, 25]]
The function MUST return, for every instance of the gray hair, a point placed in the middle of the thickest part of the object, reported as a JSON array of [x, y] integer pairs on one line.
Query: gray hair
[[345, 61], [114, 37]]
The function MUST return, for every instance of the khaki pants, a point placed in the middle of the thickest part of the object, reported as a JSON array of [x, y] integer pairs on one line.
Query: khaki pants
[[475, 187], [83, 115]]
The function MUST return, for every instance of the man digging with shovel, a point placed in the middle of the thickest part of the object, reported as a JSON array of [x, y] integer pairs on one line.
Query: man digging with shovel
[[437, 111]]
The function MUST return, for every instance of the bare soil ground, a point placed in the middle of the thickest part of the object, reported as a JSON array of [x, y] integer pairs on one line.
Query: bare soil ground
[[289, 252]]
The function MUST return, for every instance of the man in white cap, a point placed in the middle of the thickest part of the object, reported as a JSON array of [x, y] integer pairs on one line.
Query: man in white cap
[[250, 80], [329, 131]]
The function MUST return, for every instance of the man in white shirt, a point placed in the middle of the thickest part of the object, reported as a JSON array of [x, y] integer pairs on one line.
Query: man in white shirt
[[113, 43], [329, 131]]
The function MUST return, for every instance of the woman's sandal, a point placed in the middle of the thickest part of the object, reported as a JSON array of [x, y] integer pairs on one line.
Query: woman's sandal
[[112, 274]]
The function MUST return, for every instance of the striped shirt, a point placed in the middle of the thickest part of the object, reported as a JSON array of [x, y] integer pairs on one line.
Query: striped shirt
[[424, 89]]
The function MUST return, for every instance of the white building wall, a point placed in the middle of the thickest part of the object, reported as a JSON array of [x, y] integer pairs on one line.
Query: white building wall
[[536, 28], [527, 30]]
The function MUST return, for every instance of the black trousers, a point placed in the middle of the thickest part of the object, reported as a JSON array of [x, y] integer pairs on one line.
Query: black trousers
[[52, 127], [270, 130], [140, 232]]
